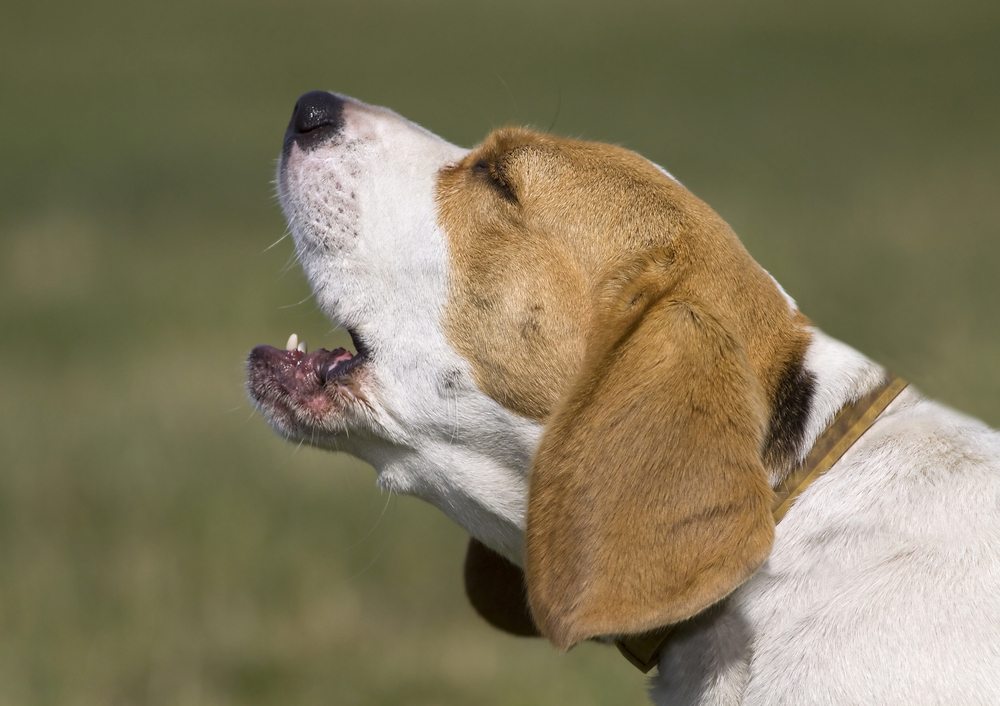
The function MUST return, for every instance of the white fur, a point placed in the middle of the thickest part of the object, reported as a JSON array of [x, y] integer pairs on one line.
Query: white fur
[[361, 210], [883, 586]]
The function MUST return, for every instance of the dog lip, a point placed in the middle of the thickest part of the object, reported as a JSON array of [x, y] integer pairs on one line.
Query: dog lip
[[359, 343], [292, 375], [340, 366]]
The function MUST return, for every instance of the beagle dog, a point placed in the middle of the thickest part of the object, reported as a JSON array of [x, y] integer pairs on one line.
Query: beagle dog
[[575, 359]]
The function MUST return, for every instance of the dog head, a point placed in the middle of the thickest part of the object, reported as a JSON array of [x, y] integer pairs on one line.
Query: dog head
[[557, 344]]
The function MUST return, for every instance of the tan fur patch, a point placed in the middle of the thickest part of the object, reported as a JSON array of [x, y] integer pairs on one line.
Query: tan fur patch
[[648, 499], [593, 292], [543, 223]]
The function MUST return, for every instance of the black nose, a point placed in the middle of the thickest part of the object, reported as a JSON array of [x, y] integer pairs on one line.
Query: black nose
[[317, 116]]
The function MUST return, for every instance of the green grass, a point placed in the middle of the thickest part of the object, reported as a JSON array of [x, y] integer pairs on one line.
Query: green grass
[[160, 545]]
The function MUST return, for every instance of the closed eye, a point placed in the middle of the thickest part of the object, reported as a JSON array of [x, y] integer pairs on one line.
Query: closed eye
[[493, 174]]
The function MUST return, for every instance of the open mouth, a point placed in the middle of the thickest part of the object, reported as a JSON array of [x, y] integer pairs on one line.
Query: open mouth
[[297, 389]]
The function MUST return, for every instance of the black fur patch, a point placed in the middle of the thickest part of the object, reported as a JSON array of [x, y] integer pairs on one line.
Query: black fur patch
[[789, 412]]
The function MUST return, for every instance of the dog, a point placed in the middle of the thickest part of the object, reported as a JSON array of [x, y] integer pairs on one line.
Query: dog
[[573, 357]]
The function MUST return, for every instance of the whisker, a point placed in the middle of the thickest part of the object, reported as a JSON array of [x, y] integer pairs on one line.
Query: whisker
[[385, 541], [298, 303], [509, 92], [558, 105], [285, 235], [375, 526]]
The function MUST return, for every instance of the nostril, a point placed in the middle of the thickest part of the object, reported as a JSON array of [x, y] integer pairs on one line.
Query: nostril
[[317, 109]]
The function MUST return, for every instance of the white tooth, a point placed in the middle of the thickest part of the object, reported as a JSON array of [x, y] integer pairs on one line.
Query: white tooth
[[293, 342], [302, 347]]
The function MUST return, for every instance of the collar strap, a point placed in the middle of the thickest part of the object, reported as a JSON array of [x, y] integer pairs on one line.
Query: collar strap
[[853, 420]]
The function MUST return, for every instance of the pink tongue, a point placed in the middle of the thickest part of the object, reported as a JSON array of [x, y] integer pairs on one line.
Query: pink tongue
[[340, 355], [332, 367]]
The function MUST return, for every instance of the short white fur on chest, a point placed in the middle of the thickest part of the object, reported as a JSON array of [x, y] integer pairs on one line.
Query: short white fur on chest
[[883, 583]]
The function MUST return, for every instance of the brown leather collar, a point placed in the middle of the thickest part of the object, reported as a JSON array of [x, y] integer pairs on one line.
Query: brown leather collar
[[853, 420]]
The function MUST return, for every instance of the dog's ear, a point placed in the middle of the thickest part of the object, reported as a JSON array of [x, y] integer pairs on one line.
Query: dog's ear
[[496, 589], [648, 498]]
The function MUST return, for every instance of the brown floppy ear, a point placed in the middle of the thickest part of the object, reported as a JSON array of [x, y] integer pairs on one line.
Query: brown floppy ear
[[648, 499], [496, 589]]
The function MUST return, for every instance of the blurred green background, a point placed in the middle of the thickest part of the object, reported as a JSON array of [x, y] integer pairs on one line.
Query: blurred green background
[[160, 545]]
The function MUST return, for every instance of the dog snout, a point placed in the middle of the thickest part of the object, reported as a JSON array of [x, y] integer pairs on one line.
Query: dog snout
[[317, 116]]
